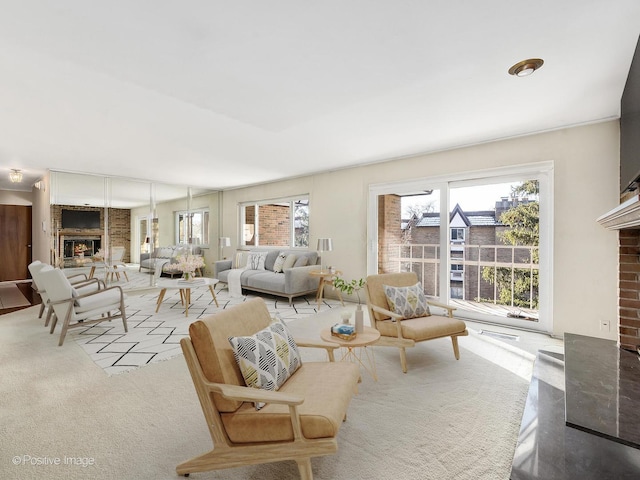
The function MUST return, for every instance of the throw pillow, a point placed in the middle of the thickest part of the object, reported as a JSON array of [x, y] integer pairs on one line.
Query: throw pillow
[[267, 358], [255, 260], [409, 302], [290, 261], [279, 263], [301, 261]]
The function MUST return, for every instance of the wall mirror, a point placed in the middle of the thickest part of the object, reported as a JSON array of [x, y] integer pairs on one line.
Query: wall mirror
[[92, 214]]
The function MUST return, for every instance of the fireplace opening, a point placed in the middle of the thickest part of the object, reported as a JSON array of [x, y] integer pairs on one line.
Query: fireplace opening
[[81, 246]]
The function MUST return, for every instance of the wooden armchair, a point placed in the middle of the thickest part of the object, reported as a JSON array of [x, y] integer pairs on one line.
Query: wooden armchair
[[395, 331], [299, 421]]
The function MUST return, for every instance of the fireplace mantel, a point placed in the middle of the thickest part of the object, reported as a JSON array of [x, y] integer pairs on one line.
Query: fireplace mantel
[[625, 215]]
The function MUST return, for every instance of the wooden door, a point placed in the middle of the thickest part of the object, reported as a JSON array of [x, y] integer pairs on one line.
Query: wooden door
[[15, 242]]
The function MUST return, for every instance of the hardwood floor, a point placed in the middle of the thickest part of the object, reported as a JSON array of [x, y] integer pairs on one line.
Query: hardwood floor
[[30, 295]]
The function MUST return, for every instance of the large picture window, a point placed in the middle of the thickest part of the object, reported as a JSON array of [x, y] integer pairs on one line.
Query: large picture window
[[193, 227], [276, 223]]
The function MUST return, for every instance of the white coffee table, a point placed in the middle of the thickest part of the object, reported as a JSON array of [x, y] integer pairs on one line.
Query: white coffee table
[[185, 287]]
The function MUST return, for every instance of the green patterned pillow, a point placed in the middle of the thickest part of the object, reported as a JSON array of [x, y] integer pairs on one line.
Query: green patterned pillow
[[409, 302], [267, 358]]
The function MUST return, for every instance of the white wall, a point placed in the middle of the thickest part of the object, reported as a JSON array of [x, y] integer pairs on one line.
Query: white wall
[[586, 171]]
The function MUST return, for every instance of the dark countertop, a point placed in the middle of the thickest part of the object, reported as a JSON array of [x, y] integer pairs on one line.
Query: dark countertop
[[602, 386], [548, 449]]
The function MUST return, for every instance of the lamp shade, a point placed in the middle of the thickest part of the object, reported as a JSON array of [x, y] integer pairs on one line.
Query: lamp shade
[[225, 241], [324, 245]]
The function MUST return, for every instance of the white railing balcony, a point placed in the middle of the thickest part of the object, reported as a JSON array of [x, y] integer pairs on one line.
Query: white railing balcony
[[518, 262]]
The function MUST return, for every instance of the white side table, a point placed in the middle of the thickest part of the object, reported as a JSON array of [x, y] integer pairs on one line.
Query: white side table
[[185, 287]]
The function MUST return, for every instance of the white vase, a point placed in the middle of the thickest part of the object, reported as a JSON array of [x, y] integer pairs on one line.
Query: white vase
[[359, 319]]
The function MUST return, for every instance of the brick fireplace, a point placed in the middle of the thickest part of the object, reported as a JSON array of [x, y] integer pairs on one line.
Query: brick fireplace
[[629, 288], [626, 219]]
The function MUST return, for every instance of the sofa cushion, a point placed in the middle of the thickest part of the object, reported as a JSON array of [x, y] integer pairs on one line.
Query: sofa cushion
[[327, 388], [267, 358], [409, 302], [301, 261], [264, 280], [165, 252], [290, 261]]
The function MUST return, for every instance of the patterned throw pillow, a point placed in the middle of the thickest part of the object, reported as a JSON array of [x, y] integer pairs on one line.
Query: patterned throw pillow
[[268, 358], [409, 302], [255, 260], [279, 263]]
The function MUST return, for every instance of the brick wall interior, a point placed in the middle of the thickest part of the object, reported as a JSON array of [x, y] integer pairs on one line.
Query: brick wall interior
[[389, 232], [119, 225], [275, 225], [629, 289]]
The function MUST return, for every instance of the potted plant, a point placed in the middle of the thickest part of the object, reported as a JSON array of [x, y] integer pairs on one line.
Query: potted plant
[[354, 285], [349, 288]]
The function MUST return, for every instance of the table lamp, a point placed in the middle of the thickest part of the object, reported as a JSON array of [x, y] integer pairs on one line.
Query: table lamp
[[324, 245]]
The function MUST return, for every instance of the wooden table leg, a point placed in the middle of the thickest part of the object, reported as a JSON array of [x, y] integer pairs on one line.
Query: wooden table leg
[[160, 298], [187, 300], [320, 292], [213, 294]]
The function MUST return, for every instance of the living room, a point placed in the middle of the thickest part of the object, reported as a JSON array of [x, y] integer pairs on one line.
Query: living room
[[581, 158]]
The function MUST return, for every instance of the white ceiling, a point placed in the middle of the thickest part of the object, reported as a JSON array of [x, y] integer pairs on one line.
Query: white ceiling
[[221, 94]]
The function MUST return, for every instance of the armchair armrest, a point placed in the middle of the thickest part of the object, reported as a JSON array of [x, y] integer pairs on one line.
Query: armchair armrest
[[249, 394], [329, 347], [145, 256], [444, 306], [76, 277], [257, 395], [394, 316]]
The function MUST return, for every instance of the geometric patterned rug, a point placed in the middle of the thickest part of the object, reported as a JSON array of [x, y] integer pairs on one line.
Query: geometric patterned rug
[[154, 337]]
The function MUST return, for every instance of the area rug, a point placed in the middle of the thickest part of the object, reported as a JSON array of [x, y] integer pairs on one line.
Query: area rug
[[63, 418], [155, 337]]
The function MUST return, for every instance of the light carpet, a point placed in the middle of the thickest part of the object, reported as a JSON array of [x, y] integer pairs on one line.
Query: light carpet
[[444, 419]]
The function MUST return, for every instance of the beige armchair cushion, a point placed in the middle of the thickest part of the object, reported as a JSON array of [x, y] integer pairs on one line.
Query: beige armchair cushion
[[423, 328], [320, 415]]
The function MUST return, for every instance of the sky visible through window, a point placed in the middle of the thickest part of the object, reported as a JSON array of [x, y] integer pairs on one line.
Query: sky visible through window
[[480, 197]]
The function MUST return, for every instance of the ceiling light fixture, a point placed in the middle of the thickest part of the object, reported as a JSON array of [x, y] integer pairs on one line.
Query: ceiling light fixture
[[526, 67], [15, 176]]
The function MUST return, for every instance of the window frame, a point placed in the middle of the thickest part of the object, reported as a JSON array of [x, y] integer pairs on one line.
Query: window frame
[[291, 202], [204, 226]]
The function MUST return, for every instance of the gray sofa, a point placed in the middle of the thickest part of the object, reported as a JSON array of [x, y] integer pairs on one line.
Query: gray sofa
[[164, 256], [292, 282]]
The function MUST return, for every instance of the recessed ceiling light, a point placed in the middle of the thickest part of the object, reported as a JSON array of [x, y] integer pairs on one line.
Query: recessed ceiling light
[[526, 67]]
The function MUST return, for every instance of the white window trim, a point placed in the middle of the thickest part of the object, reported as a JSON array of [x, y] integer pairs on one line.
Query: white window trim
[[542, 171]]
